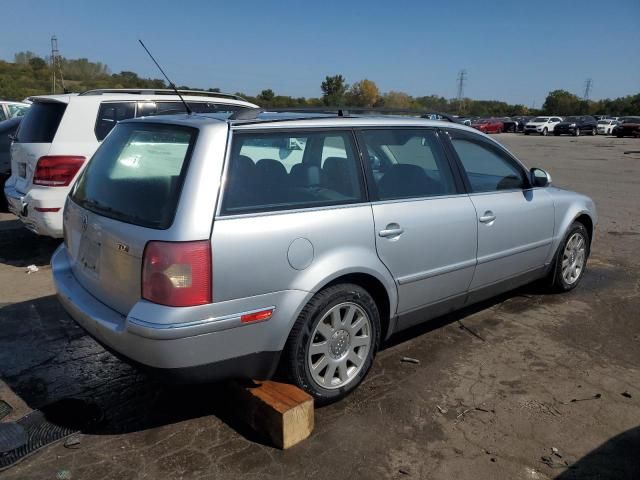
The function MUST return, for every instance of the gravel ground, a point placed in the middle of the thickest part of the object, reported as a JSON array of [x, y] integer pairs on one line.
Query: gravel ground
[[544, 372]]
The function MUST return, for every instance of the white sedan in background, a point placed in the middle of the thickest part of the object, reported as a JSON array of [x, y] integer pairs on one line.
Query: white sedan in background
[[606, 125]]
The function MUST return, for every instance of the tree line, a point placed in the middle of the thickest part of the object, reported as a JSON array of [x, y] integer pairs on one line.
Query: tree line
[[30, 75]]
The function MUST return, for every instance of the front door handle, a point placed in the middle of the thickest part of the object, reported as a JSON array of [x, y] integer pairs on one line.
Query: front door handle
[[392, 230], [488, 217]]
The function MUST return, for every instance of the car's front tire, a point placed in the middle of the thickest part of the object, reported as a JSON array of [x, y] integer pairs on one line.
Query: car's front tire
[[545, 132], [576, 133], [333, 342], [571, 259]]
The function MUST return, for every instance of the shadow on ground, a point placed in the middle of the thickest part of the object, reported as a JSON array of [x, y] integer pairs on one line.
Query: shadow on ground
[[617, 458], [19, 248]]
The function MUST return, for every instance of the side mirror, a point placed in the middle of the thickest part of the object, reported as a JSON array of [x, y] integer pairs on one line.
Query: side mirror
[[540, 178]]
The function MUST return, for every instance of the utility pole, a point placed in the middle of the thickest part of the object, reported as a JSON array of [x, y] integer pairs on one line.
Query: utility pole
[[56, 65], [462, 78], [588, 84]]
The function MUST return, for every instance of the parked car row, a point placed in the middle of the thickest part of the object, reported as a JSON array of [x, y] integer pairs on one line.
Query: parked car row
[[556, 125], [197, 246]]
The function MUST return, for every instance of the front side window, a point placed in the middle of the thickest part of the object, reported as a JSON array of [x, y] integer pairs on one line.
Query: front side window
[[287, 170], [488, 168], [408, 163], [111, 113]]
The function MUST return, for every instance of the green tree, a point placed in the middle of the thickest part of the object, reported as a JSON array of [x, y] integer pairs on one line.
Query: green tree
[[266, 96], [37, 63], [561, 102], [333, 90], [364, 93], [398, 100]]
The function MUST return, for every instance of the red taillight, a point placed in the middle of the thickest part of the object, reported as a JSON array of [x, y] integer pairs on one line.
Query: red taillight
[[177, 274], [56, 170]]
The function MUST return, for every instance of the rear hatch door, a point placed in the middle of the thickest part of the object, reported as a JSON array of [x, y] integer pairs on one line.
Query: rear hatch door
[[33, 140], [126, 196]]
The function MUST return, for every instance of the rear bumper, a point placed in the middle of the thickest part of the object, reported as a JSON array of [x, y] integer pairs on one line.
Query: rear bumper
[[24, 207], [212, 349]]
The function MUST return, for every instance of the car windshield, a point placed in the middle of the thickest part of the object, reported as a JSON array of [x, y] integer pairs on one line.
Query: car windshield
[[571, 119], [604, 122], [541, 119], [631, 120]]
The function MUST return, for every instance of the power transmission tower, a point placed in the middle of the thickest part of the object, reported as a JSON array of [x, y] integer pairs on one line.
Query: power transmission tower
[[462, 78], [56, 65], [588, 84]]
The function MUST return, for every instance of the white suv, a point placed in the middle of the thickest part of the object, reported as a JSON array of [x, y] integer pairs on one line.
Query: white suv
[[542, 125], [60, 133]]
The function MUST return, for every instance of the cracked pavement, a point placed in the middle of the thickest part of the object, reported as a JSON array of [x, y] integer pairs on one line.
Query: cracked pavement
[[548, 372]]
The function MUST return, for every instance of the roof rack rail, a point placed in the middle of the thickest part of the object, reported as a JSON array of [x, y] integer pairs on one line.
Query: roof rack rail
[[161, 91], [346, 111]]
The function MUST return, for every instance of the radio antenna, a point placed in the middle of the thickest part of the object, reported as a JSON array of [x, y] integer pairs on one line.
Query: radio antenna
[[171, 84]]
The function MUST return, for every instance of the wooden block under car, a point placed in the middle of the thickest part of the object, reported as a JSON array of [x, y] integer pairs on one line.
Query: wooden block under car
[[281, 412]]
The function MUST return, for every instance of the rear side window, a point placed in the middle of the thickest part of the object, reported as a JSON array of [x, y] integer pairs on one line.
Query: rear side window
[[136, 175], [287, 170], [111, 113], [41, 122], [408, 163]]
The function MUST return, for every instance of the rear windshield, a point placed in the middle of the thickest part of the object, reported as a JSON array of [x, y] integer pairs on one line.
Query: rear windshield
[[136, 175], [40, 124]]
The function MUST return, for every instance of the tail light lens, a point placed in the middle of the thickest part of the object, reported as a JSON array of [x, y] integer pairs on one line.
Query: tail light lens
[[57, 170], [177, 274]]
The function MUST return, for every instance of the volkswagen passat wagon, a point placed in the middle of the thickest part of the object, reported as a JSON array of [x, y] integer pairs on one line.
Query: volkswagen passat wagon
[[205, 248]]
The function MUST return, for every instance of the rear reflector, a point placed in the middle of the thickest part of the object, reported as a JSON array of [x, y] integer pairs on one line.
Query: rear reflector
[[57, 170], [257, 316], [177, 274], [44, 210]]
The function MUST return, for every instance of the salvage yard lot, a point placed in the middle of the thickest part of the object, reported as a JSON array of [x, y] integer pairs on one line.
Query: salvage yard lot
[[528, 373]]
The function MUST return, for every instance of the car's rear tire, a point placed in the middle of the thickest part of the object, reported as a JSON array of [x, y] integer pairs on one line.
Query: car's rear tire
[[333, 342], [594, 132], [571, 259]]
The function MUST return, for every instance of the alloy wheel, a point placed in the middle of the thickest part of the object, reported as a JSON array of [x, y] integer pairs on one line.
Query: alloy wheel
[[573, 258], [339, 345]]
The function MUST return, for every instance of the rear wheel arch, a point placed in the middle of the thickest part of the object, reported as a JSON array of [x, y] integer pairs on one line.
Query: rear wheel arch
[[375, 288]]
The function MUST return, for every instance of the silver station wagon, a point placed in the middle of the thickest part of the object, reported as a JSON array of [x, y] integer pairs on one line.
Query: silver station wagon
[[206, 247]]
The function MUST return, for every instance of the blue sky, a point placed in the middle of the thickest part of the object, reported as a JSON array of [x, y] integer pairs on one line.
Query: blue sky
[[512, 50]]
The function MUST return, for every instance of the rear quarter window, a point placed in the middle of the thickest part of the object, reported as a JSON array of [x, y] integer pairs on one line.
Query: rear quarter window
[[111, 113], [136, 175], [41, 122]]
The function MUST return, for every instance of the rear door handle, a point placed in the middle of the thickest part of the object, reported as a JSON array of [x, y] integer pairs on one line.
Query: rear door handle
[[391, 232], [488, 217]]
